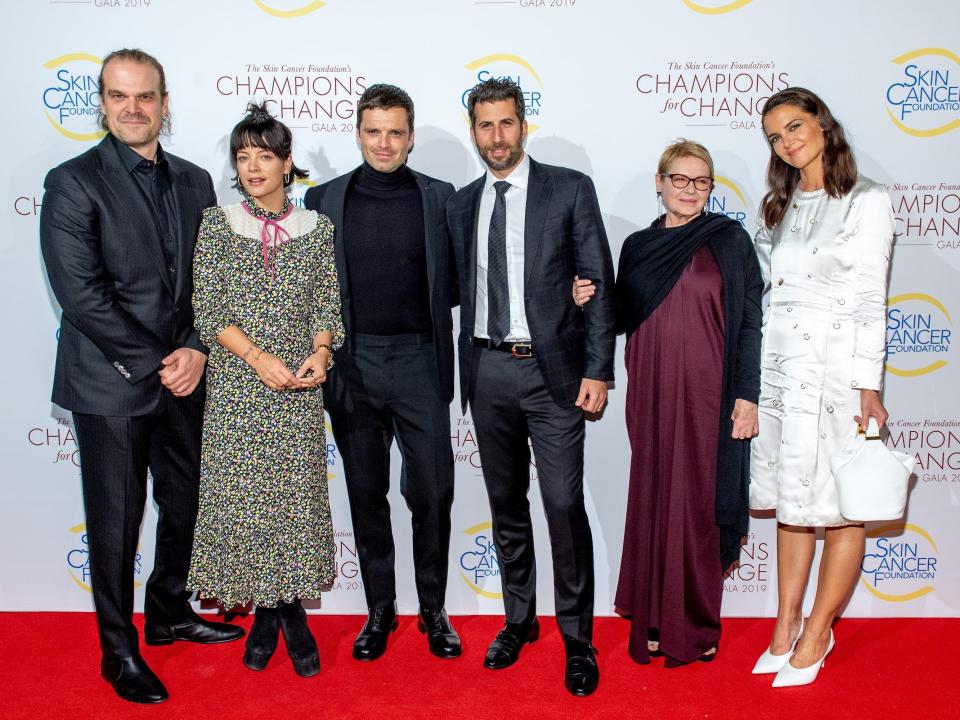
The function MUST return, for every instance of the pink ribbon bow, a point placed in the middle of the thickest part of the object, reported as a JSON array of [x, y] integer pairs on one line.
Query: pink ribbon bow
[[279, 236]]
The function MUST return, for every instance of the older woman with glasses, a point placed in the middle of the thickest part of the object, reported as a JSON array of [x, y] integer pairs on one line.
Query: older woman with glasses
[[688, 293]]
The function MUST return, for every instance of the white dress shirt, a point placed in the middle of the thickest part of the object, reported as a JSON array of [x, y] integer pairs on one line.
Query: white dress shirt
[[516, 200]]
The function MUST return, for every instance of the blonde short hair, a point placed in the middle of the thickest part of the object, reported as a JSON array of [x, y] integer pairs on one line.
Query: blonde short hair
[[680, 148]]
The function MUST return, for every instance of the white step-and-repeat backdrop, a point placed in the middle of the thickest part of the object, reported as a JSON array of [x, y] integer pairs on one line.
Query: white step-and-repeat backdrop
[[608, 84]]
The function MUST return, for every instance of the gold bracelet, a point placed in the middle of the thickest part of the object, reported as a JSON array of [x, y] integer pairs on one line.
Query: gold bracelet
[[329, 349], [247, 353]]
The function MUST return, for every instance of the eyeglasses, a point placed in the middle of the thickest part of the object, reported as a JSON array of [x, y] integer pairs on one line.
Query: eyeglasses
[[681, 181]]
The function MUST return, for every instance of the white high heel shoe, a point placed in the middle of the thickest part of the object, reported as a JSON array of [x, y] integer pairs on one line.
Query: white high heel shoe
[[790, 676], [770, 663]]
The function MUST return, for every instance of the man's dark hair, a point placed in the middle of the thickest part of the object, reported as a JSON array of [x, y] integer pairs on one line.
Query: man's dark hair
[[261, 130], [495, 90], [138, 56], [383, 97]]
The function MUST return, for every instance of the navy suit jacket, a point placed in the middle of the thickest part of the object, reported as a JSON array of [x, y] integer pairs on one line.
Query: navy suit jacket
[[123, 312], [330, 199], [563, 236]]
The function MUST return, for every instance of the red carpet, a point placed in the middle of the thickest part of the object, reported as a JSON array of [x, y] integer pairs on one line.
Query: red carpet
[[903, 669]]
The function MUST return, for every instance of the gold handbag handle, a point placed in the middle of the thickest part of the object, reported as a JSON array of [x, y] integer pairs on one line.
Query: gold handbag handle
[[872, 431]]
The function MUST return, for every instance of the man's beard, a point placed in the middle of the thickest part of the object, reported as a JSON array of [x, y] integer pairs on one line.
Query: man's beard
[[512, 158]]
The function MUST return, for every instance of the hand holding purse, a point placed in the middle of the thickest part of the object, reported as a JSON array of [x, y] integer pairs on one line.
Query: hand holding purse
[[871, 479]]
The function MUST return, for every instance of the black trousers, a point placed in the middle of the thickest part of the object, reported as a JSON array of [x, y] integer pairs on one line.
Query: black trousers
[[510, 403], [393, 391], [115, 453]]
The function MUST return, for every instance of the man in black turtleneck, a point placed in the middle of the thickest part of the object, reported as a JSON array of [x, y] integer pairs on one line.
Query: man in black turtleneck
[[394, 374]]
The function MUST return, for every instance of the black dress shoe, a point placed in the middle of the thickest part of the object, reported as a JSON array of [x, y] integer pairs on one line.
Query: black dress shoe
[[194, 629], [505, 648], [301, 645], [582, 675], [132, 679], [371, 643], [441, 637], [262, 640]]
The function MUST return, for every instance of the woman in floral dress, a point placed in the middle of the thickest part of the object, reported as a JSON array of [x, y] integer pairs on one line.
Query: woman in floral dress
[[268, 306]]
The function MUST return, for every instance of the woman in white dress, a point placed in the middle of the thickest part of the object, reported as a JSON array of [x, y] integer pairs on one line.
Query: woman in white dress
[[824, 246]]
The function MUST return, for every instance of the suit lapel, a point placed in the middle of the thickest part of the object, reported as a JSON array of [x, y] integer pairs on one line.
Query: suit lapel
[[471, 218], [185, 201], [142, 224], [538, 198]]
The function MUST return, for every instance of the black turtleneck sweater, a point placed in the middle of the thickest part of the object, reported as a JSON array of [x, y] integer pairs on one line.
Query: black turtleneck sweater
[[386, 253]]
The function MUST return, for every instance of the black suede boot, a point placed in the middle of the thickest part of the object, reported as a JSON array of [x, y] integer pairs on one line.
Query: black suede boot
[[301, 646], [262, 640]]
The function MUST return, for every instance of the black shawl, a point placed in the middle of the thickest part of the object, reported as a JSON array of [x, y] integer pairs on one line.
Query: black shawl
[[651, 262]]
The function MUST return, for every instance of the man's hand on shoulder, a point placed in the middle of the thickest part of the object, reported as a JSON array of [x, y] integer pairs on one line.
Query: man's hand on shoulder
[[182, 370]]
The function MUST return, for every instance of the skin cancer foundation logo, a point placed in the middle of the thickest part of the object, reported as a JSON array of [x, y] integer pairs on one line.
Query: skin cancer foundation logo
[[919, 334], [708, 8], [78, 560], [478, 564], [71, 98], [289, 9], [502, 65], [924, 101], [898, 567], [728, 199]]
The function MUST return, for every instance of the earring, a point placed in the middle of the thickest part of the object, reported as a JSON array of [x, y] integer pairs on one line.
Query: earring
[[660, 209], [286, 178]]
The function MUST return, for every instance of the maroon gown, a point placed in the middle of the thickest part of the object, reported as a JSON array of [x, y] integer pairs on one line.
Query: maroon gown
[[670, 577]]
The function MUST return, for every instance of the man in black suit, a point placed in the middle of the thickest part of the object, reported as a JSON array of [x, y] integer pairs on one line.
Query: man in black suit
[[117, 230], [393, 377], [532, 363]]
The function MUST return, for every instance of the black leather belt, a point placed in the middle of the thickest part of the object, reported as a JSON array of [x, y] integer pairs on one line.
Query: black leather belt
[[518, 349]]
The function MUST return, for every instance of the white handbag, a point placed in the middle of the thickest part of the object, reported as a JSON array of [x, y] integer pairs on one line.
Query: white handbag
[[871, 478]]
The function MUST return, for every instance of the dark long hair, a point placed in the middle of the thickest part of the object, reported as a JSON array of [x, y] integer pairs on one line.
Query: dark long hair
[[260, 129], [839, 166]]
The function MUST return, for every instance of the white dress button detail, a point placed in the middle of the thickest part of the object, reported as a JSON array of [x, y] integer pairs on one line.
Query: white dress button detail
[[806, 394]]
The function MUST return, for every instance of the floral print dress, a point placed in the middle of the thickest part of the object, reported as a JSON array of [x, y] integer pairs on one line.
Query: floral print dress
[[264, 532]]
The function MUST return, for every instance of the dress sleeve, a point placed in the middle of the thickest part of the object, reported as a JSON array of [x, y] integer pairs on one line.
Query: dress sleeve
[[210, 296], [763, 244], [326, 306], [872, 239]]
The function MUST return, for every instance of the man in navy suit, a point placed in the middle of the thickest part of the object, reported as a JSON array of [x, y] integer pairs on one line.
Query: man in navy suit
[[117, 231], [532, 363], [393, 377]]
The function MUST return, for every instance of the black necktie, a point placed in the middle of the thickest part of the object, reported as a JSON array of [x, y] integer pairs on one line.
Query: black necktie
[[498, 292]]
